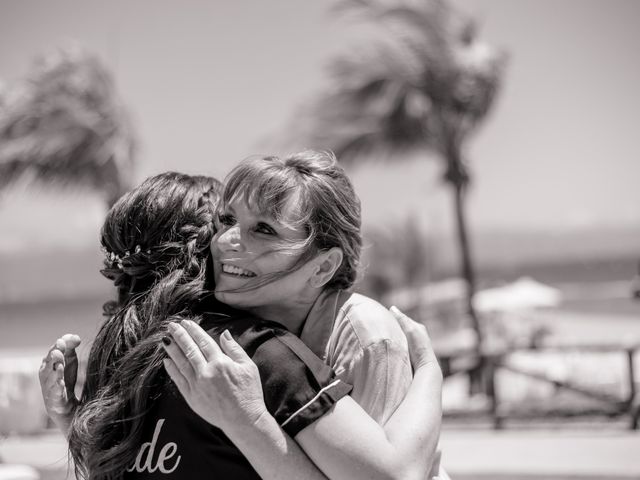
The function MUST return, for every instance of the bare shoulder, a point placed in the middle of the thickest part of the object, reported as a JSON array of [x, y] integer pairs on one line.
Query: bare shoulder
[[371, 321]]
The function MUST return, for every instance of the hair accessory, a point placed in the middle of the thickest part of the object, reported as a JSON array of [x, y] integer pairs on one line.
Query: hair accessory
[[115, 258]]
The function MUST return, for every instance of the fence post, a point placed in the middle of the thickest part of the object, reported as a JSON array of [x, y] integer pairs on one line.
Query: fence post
[[634, 403], [491, 364]]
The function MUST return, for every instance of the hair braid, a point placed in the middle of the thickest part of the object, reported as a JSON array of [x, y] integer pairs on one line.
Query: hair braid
[[170, 217]]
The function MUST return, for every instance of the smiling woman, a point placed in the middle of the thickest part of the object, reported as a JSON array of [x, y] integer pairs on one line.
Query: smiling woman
[[130, 421], [234, 410], [288, 249], [256, 263], [287, 230]]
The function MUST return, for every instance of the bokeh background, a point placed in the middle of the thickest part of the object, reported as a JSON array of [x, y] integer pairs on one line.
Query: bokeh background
[[552, 209]]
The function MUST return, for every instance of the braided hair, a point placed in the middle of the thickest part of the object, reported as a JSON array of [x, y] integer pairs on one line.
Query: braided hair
[[156, 239]]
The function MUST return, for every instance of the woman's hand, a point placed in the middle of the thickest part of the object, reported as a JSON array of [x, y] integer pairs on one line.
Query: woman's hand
[[58, 374], [221, 384], [420, 349], [422, 355]]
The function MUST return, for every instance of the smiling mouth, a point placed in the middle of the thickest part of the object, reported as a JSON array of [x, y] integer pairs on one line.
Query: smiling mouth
[[237, 271]]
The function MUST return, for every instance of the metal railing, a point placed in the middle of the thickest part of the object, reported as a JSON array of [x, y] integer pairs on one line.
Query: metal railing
[[485, 367]]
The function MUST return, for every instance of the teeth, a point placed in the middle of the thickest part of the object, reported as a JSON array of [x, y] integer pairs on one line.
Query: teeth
[[233, 270]]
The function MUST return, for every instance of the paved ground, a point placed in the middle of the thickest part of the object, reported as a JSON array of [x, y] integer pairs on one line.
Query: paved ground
[[605, 453], [610, 453]]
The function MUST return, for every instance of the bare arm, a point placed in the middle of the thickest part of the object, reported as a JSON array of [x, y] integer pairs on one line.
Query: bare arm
[[344, 443], [273, 453], [222, 389], [406, 446]]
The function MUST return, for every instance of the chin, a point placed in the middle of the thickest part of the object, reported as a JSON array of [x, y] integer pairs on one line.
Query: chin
[[232, 299]]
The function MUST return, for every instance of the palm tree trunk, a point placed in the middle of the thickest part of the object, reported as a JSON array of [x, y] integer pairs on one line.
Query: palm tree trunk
[[458, 177], [466, 264]]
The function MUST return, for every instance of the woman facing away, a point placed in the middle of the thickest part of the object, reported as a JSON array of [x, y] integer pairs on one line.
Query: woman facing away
[[157, 238], [287, 249]]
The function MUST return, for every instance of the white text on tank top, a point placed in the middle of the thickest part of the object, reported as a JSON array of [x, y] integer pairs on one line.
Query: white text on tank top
[[144, 459]]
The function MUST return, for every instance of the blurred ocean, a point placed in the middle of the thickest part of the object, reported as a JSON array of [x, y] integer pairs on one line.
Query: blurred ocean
[[45, 295]]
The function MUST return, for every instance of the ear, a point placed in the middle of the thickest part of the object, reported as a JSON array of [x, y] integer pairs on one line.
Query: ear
[[325, 266]]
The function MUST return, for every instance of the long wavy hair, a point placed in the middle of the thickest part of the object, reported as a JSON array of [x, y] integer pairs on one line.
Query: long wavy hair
[[156, 241]]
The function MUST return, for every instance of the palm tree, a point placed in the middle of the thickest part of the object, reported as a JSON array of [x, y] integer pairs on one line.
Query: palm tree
[[65, 126], [425, 84]]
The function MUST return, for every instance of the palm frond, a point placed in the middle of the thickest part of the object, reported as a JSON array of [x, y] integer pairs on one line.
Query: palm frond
[[425, 82], [64, 125]]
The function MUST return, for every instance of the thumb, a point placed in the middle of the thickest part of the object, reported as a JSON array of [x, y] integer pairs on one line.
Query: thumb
[[71, 341], [232, 348], [404, 321]]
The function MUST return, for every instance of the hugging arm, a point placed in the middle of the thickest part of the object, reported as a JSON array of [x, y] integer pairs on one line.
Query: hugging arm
[[406, 446], [223, 387], [223, 390]]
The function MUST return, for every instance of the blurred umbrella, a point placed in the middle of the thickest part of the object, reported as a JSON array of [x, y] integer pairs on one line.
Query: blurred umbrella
[[426, 83], [523, 294], [65, 126]]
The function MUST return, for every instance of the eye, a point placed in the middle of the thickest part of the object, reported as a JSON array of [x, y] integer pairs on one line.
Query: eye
[[265, 228], [226, 219]]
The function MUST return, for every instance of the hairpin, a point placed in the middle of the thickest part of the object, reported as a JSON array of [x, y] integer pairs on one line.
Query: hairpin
[[115, 258]]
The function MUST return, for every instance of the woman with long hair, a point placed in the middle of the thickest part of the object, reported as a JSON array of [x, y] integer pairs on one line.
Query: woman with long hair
[[131, 422], [288, 249]]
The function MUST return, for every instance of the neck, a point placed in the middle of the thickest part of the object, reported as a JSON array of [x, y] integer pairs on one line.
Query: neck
[[292, 315]]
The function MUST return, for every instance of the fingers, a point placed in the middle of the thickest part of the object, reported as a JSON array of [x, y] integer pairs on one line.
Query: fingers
[[53, 357], [420, 348], [176, 375], [177, 356], [56, 358], [51, 378], [58, 376], [207, 345], [45, 366], [186, 344], [60, 362], [233, 348], [71, 342], [62, 350], [53, 391], [405, 322]]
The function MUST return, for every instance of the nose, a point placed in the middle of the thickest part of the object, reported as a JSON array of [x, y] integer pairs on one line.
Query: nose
[[229, 240]]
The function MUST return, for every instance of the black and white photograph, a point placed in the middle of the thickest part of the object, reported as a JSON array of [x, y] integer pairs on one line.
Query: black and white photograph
[[344, 240]]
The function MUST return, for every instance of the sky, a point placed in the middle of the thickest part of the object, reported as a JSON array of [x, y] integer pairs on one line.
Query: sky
[[208, 81]]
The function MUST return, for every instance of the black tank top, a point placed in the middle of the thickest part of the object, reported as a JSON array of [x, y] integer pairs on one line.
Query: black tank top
[[298, 389]]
